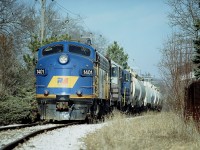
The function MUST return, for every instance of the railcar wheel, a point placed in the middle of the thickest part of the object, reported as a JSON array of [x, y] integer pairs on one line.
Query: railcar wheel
[[88, 120]]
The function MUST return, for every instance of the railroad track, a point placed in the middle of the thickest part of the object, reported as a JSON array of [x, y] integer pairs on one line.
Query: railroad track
[[20, 126], [26, 137]]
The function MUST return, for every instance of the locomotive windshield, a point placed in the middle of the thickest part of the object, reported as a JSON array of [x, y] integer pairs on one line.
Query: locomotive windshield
[[52, 50], [79, 50]]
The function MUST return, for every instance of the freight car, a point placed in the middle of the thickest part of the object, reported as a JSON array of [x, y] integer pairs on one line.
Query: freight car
[[75, 82]]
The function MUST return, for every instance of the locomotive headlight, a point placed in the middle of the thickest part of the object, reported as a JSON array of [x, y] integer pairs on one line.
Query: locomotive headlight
[[46, 92], [79, 93], [63, 59]]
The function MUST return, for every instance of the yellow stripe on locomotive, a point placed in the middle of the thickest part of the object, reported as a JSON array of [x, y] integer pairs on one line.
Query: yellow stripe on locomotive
[[72, 96], [62, 81]]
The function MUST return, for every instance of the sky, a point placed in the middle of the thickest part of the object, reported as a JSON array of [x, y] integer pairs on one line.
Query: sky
[[139, 26]]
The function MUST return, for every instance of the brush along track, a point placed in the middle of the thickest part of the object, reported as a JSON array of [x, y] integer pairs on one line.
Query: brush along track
[[26, 137]]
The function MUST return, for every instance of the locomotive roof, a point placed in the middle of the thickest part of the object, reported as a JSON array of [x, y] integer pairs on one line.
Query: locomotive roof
[[65, 41]]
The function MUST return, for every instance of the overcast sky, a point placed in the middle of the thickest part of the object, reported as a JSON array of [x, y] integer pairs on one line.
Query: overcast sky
[[139, 26]]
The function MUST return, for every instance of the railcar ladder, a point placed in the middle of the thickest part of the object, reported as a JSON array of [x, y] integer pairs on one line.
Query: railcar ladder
[[96, 80], [107, 86], [124, 98]]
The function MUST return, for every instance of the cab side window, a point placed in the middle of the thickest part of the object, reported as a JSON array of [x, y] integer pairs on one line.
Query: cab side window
[[114, 72], [127, 78]]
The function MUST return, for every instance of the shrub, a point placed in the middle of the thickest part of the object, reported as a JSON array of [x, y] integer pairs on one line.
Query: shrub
[[17, 110]]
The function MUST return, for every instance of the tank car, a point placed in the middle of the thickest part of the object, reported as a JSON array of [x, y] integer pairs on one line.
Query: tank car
[[153, 97], [158, 104], [147, 100], [72, 81], [137, 93], [142, 95]]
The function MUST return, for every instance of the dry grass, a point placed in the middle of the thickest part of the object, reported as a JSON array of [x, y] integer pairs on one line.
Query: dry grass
[[150, 131]]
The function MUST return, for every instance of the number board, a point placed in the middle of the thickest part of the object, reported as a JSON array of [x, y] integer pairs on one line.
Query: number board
[[40, 72], [87, 72]]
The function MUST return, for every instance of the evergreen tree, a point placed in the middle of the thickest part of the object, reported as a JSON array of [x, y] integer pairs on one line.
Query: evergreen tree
[[35, 44], [117, 54], [196, 58]]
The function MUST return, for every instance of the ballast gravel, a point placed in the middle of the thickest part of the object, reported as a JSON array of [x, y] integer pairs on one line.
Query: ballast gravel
[[68, 138], [9, 136]]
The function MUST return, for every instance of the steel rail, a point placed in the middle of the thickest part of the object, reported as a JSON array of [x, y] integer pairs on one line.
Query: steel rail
[[20, 126], [15, 143]]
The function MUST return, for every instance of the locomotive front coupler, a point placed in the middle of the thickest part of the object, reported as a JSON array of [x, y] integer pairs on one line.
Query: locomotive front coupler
[[62, 97]]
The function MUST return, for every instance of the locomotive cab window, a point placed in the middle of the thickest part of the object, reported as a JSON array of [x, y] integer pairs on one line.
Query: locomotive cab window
[[79, 50], [114, 72], [126, 78], [52, 50]]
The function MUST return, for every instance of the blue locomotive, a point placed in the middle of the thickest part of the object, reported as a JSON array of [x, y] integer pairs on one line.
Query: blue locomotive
[[72, 81], [75, 82]]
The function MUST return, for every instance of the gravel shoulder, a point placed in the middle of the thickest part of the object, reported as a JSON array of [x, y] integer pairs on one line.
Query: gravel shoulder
[[61, 139]]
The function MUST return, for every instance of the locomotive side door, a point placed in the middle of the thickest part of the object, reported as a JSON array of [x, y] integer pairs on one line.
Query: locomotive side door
[[101, 78]]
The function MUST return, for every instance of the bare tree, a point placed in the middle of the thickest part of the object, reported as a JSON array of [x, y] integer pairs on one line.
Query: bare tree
[[175, 68], [9, 67], [11, 12], [184, 15], [178, 52], [13, 33], [100, 43]]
